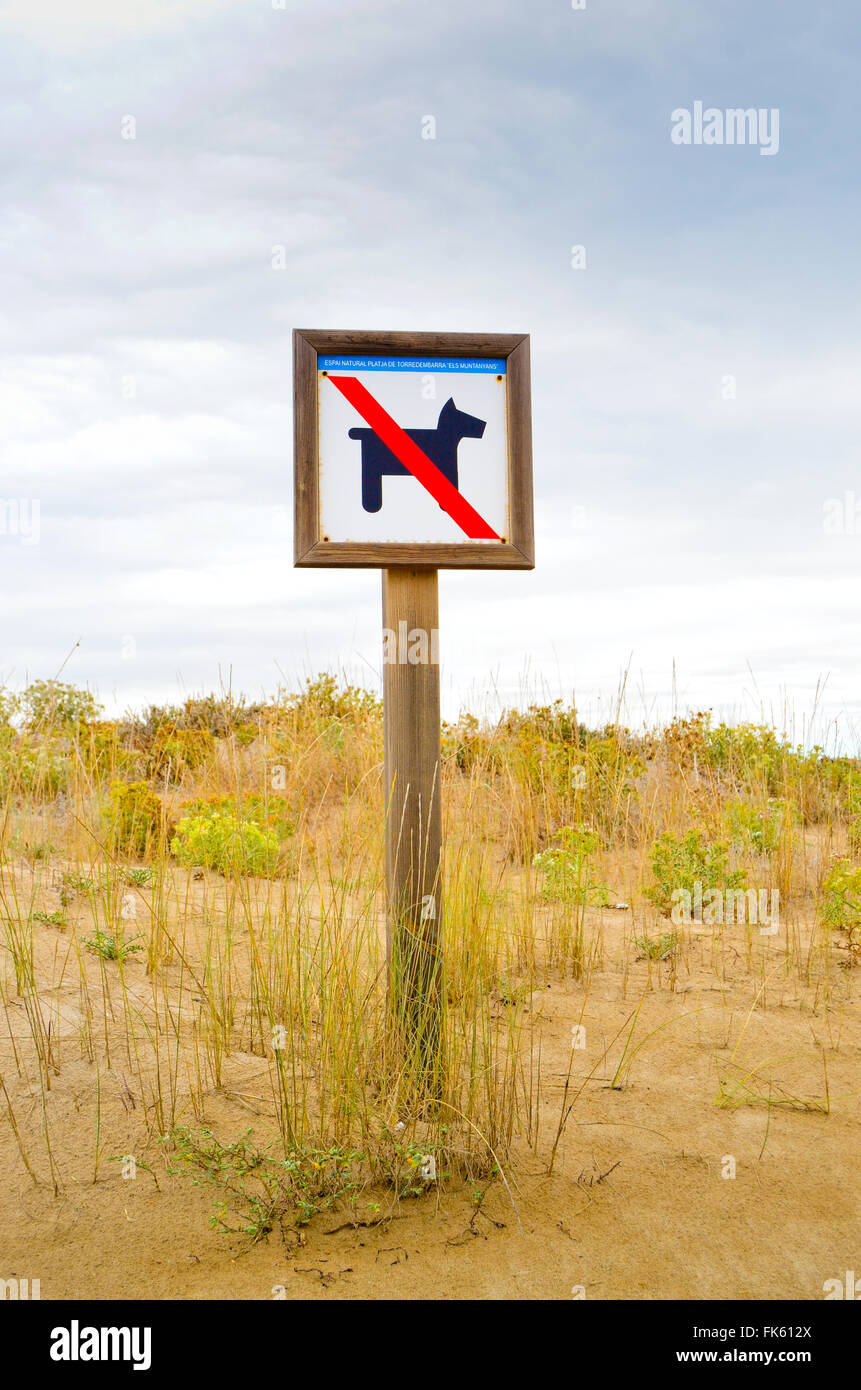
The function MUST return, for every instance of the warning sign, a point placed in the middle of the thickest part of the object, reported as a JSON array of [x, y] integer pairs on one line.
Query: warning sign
[[412, 450]]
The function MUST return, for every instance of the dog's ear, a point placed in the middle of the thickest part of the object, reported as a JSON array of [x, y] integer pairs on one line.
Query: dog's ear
[[448, 409]]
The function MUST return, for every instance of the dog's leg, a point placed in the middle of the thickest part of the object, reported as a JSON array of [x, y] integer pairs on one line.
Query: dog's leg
[[372, 487], [447, 463]]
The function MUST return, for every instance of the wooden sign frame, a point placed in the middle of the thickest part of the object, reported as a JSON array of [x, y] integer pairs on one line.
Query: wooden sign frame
[[311, 549]]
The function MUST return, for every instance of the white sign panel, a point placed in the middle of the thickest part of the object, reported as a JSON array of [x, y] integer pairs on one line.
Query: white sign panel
[[413, 449]]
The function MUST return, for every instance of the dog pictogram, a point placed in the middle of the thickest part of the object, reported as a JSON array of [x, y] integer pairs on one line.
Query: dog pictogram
[[440, 445]]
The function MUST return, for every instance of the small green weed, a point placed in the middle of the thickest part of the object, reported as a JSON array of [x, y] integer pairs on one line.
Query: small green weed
[[263, 1191], [111, 945], [51, 919], [138, 878], [658, 948]]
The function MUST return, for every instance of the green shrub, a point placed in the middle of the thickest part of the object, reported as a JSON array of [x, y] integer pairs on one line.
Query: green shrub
[[681, 864], [752, 756], [52, 704], [548, 750], [39, 770], [219, 715], [759, 830], [136, 819], [610, 765], [174, 752], [567, 874], [841, 896], [10, 704], [270, 813], [323, 697], [219, 840], [468, 743], [103, 752]]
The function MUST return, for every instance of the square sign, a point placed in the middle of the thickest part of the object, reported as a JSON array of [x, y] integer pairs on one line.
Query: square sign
[[412, 449]]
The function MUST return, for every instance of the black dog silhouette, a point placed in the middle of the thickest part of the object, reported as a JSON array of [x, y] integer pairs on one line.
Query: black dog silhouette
[[440, 445]]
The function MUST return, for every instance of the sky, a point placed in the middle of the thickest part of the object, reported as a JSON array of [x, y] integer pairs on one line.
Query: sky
[[183, 182]]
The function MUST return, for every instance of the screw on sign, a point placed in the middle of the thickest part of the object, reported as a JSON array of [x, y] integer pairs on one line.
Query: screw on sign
[[386, 478]]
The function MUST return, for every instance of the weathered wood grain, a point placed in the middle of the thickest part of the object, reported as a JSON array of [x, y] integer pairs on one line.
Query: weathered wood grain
[[413, 815]]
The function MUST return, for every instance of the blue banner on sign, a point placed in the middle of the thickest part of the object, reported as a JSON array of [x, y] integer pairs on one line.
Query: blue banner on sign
[[492, 365]]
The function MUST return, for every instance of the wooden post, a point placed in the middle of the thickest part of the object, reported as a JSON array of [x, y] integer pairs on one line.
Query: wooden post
[[411, 700]]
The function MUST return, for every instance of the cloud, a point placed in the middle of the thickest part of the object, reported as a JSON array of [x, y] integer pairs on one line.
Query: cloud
[[145, 386], [58, 28]]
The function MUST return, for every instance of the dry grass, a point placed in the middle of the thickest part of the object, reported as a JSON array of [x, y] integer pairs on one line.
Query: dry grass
[[166, 986]]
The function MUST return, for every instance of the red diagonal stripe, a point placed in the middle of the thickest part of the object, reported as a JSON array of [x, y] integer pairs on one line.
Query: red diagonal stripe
[[407, 452]]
